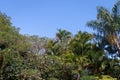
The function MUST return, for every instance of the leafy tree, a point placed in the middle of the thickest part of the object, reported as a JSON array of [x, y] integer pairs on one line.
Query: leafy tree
[[13, 49]]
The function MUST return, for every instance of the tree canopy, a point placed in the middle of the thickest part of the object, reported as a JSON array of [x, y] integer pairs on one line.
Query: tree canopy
[[83, 56]]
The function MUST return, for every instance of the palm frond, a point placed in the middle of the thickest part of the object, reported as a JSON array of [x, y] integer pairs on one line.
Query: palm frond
[[104, 15]]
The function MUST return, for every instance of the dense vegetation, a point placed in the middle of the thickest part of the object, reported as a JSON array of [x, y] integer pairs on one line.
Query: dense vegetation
[[82, 56]]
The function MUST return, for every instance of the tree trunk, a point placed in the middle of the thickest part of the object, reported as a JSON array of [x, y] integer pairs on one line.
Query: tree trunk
[[118, 47], [114, 40]]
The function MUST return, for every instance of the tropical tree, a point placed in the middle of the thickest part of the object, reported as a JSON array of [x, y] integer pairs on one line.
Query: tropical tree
[[63, 38], [81, 44], [63, 35], [52, 47], [107, 25]]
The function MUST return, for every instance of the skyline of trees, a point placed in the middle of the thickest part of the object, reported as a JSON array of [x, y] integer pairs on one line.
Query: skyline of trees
[[83, 56]]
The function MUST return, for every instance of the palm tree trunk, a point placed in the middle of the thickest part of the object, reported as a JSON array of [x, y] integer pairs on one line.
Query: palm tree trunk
[[114, 40], [118, 47]]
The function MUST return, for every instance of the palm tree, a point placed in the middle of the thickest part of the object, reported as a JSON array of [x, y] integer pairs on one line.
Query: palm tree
[[107, 25], [80, 44], [52, 47], [63, 39], [63, 35]]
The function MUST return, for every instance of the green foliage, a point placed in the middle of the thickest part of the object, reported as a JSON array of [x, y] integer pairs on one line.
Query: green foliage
[[80, 44], [66, 57], [107, 27], [107, 77], [89, 78]]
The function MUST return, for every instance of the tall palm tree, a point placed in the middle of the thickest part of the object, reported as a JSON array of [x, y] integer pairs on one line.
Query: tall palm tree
[[80, 46], [107, 24]]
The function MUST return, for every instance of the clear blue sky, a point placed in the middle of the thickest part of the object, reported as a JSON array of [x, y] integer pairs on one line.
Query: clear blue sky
[[44, 17]]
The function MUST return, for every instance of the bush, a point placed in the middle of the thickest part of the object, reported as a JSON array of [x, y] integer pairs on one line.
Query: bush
[[107, 77]]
